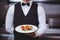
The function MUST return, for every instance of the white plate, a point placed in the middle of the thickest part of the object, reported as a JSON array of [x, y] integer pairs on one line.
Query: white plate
[[18, 29]]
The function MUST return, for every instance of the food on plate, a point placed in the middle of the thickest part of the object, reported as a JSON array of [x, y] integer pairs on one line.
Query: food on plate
[[26, 27]]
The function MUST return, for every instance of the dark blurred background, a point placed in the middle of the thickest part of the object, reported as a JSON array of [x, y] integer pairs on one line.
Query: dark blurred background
[[52, 9]]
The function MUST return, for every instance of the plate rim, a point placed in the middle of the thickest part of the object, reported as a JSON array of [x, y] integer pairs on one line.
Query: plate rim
[[26, 32]]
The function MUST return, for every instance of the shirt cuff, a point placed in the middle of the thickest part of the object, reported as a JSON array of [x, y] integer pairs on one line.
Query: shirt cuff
[[10, 30], [41, 31], [38, 34]]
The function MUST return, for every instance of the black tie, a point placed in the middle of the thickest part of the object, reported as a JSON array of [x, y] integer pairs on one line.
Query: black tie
[[28, 4]]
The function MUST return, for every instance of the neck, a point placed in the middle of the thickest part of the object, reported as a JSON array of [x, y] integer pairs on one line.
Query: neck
[[26, 1]]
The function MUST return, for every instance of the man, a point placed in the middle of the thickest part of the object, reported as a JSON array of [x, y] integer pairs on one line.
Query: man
[[26, 12]]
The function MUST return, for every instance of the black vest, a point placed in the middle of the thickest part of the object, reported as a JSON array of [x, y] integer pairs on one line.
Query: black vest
[[30, 18]]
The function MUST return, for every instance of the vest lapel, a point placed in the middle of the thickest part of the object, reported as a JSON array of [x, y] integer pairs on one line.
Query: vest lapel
[[28, 11], [30, 18]]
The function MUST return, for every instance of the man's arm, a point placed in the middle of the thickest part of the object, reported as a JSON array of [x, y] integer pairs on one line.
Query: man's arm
[[42, 21], [9, 27]]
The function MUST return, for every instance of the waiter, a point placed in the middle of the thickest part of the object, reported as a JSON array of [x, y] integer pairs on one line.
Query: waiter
[[26, 12]]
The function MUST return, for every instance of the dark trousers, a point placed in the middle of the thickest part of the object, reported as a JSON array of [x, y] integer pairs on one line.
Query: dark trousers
[[20, 36]]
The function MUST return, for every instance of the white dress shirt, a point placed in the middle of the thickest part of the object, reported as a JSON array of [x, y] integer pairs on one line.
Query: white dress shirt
[[41, 18]]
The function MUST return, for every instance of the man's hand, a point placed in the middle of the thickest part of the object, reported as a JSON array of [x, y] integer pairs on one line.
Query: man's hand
[[31, 34]]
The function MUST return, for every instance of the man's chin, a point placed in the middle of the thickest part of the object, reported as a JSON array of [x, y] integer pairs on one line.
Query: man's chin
[[27, 0]]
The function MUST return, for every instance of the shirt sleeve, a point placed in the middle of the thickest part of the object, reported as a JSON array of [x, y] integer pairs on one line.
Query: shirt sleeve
[[42, 21], [9, 27]]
